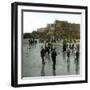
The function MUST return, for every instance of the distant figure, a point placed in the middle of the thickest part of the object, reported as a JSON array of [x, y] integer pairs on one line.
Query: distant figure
[[72, 46], [35, 42], [29, 43], [53, 56], [45, 45], [48, 48], [64, 46], [42, 55], [68, 53]]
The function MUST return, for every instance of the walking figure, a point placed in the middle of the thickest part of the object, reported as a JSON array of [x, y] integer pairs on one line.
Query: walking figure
[[42, 55], [53, 55], [64, 46]]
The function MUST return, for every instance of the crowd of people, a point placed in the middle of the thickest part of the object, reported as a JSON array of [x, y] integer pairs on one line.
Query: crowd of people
[[68, 47]]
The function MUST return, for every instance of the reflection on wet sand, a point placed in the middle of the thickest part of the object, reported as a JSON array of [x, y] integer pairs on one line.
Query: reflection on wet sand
[[54, 73], [64, 56], [68, 64], [77, 65], [65, 63], [42, 70]]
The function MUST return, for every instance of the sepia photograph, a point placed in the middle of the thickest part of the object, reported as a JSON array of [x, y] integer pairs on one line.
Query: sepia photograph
[[49, 44]]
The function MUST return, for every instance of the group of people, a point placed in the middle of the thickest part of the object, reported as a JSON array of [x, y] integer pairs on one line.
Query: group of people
[[71, 47], [67, 47], [49, 48]]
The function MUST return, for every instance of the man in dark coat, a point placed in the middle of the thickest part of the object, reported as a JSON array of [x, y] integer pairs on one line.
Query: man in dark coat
[[53, 56], [42, 52]]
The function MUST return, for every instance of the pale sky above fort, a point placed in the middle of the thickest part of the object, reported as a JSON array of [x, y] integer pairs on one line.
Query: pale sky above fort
[[33, 20]]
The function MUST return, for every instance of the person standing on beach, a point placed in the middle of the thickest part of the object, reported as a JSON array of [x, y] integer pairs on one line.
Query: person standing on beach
[[53, 56], [42, 52]]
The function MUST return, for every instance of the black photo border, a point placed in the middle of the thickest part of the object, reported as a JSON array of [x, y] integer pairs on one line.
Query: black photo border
[[14, 43]]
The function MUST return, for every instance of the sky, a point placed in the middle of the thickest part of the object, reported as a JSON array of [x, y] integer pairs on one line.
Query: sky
[[35, 20]]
